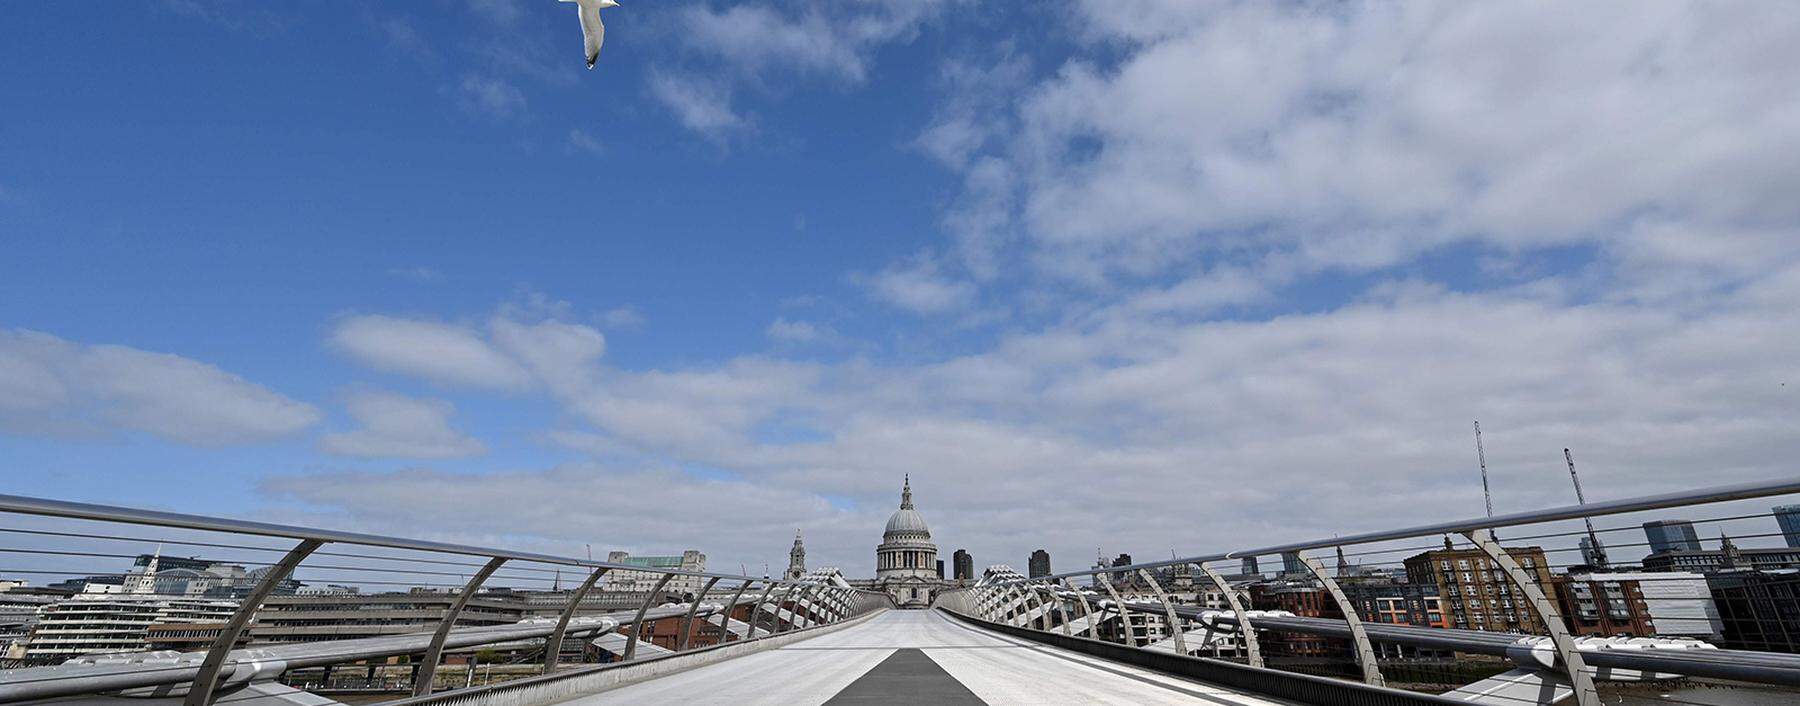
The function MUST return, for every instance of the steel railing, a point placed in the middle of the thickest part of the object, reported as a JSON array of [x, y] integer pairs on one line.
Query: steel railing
[[1531, 618], [58, 533]]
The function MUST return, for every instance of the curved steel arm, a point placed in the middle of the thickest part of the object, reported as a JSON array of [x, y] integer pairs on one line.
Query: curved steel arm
[[787, 598], [1168, 613], [687, 623], [428, 663], [1579, 678], [730, 607], [553, 645], [1087, 612], [1248, 631], [755, 609], [1062, 610], [637, 625], [1119, 605], [1365, 652], [200, 692]]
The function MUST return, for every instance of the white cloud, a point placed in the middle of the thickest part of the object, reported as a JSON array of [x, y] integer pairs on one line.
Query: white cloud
[[919, 286], [1360, 137], [702, 105], [621, 317], [783, 330], [440, 352], [396, 426], [580, 140], [490, 95], [52, 386], [567, 506], [751, 44]]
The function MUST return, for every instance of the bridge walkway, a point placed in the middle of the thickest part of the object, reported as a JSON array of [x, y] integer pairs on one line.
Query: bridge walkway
[[915, 656]]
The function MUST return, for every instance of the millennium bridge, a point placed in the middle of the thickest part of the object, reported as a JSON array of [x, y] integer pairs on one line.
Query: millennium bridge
[[1114, 635]]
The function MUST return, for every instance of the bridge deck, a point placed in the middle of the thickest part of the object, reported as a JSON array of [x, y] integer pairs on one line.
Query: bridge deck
[[903, 657]]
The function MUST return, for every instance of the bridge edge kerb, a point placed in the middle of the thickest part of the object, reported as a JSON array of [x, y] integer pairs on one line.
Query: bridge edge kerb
[[556, 687], [1302, 688]]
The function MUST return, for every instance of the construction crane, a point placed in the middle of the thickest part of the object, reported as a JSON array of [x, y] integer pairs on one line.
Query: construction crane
[[1596, 553], [1481, 457]]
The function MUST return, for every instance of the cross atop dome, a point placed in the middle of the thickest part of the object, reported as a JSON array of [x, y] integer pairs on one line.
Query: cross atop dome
[[906, 494]]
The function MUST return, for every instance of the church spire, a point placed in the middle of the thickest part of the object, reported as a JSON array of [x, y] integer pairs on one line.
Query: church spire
[[906, 494]]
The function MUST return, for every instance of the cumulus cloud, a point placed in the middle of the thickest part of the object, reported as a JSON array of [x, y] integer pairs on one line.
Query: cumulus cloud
[[919, 286], [559, 509], [1360, 137], [444, 353], [490, 95], [1206, 174], [702, 105], [52, 386], [744, 44], [397, 426]]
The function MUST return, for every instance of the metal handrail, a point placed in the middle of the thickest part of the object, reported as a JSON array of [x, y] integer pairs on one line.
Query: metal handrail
[[1716, 494], [23, 505]]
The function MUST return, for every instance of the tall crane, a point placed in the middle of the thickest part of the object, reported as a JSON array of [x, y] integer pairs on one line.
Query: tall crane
[[1481, 457], [1596, 553]]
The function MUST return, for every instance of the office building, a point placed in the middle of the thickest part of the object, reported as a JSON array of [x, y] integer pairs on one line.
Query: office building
[[1788, 517], [102, 623], [1249, 567], [1678, 604], [1671, 536], [625, 581], [1707, 561], [1039, 565], [964, 565], [1758, 609], [1601, 605], [1291, 564], [1476, 591]]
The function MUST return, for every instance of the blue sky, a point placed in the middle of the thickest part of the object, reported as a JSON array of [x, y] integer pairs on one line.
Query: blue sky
[[303, 260]]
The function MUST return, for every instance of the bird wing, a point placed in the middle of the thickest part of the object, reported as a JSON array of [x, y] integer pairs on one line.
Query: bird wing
[[593, 31]]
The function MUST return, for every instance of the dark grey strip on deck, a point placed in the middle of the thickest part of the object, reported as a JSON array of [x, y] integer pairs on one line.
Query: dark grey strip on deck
[[906, 677]]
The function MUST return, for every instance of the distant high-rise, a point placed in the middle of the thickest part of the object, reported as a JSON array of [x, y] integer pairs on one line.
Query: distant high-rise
[[1121, 560], [1039, 564], [1250, 568], [940, 568], [1788, 516], [1671, 536], [964, 565], [1291, 563]]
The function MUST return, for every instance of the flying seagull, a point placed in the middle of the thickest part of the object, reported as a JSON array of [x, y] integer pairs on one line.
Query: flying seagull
[[593, 32]]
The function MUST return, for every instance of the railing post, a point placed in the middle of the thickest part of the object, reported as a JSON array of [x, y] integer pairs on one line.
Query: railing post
[[637, 625], [428, 663], [1365, 652], [1087, 612], [1062, 610], [787, 597], [553, 645], [1251, 649], [1043, 609], [731, 607], [755, 609], [809, 601], [200, 691], [1175, 629], [687, 623], [1119, 605], [1573, 664], [1025, 604]]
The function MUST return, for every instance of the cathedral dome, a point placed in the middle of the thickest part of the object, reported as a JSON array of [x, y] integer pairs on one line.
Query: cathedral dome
[[906, 520]]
